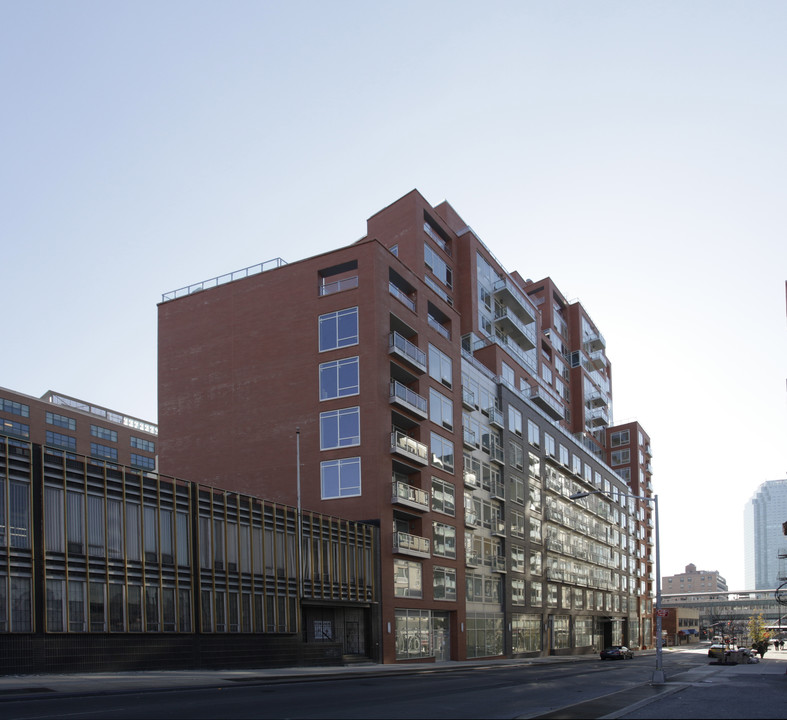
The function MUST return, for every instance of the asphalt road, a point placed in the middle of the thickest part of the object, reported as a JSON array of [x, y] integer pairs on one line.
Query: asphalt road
[[591, 688]]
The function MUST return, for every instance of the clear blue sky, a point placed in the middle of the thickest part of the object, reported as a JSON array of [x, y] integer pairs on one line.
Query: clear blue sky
[[634, 151]]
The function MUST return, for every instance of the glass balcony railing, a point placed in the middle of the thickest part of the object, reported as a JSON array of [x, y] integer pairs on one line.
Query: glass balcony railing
[[410, 496], [407, 544], [403, 395], [401, 346], [401, 296], [403, 444]]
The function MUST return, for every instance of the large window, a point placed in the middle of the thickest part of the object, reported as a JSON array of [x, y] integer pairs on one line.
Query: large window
[[444, 540], [340, 478], [442, 453], [61, 421], [104, 433], [408, 579], [338, 329], [443, 497], [444, 583], [441, 409], [413, 634], [440, 366], [339, 378], [340, 428], [526, 633], [533, 433]]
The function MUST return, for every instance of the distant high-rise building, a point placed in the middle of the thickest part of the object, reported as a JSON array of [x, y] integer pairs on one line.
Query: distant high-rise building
[[764, 543]]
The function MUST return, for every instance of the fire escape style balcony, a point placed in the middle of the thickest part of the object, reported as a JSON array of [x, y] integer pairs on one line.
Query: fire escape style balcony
[[496, 453], [507, 321], [471, 480], [402, 444], [495, 417], [598, 417], [497, 563], [413, 497], [470, 439], [473, 559], [403, 396], [497, 490], [471, 519], [406, 544], [545, 399], [468, 399], [506, 292], [401, 347]]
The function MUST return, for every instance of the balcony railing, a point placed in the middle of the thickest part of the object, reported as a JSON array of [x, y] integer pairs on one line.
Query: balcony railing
[[506, 290], [407, 544], [471, 480], [330, 288], [401, 296], [402, 347], [404, 494], [496, 453], [507, 320], [405, 397], [438, 327], [468, 398], [497, 490], [495, 416], [471, 519], [497, 563], [469, 438], [406, 446]]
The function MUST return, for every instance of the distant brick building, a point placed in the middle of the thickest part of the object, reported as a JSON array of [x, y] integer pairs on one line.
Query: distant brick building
[[693, 580]]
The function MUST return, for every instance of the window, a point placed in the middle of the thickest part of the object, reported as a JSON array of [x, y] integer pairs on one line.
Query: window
[[441, 409], [514, 420], [535, 530], [619, 438], [440, 366], [61, 421], [620, 457], [517, 493], [142, 444], [508, 375], [408, 581], [61, 441], [564, 455], [442, 453], [533, 433], [341, 478], [340, 428], [143, 461], [443, 497], [444, 540], [549, 445], [518, 558], [103, 433], [339, 378], [516, 455], [444, 583], [517, 524], [535, 562], [438, 266], [104, 452], [338, 329]]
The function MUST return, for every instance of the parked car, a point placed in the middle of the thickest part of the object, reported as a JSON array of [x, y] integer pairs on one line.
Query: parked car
[[616, 652], [716, 651]]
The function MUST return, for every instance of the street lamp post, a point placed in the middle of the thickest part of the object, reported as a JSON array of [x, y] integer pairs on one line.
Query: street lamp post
[[658, 674]]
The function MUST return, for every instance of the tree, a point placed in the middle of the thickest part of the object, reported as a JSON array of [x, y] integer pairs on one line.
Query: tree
[[758, 634]]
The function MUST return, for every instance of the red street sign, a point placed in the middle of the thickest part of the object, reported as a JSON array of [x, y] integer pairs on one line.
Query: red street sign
[[662, 613]]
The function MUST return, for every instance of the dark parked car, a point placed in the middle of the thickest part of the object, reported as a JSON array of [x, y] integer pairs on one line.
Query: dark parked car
[[616, 652]]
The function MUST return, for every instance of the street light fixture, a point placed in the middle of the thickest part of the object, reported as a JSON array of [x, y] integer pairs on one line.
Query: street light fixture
[[658, 674]]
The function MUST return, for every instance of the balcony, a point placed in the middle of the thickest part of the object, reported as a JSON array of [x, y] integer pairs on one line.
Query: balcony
[[401, 296], [598, 417], [595, 341], [541, 397], [507, 293], [329, 288], [473, 559], [597, 360], [471, 481], [497, 490], [407, 544], [499, 528], [496, 453], [441, 329], [468, 399], [472, 520], [495, 417], [401, 347], [497, 563], [404, 397], [512, 325], [404, 445], [470, 439], [409, 496], [597, 398]]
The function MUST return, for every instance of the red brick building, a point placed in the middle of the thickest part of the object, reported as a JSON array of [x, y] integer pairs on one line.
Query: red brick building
[[409, 380]]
